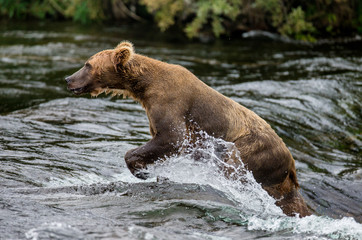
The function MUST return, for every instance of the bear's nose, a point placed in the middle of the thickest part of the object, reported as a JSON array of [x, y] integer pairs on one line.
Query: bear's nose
[[67, 79]]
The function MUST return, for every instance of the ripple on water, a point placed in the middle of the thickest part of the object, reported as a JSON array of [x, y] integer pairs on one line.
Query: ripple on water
[[323, 64], [54, 230]]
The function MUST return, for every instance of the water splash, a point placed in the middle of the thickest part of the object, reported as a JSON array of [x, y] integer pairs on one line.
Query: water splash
[[203, 163], [54, 230], [315, 227], [257, 209]]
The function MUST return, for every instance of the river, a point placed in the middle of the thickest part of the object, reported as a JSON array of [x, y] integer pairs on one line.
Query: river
[[63, 174]]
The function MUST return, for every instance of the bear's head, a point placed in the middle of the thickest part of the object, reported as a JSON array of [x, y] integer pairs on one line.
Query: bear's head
[[102, 72]]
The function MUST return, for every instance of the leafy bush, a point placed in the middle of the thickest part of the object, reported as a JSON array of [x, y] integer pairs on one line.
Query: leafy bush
[[164, 11], [21, 9], [216, 12], [203, 12], [297, 27], [83, 11], [302, 20]]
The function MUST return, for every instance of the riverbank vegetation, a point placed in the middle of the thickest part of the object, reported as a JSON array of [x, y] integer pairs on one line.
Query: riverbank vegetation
[[300, 20]]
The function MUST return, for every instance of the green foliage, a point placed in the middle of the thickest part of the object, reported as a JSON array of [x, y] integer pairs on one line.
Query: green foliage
[[41, 9], [216, 12], [80, 12], [302, 20], [333, 17], [203, 12], [274, 9], [296, 26], [11, 8], [358, 20], [85, 11], [165, 11], [292, 24], [14, 8]]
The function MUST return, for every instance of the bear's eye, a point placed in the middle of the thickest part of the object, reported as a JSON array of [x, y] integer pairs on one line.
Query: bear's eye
[[88, 65]]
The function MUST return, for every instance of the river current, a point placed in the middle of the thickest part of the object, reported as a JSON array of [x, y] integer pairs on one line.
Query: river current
[[63, 174]]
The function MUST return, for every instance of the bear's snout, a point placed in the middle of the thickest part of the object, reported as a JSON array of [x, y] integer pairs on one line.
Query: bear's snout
[[80, 81], [68, 79], [71, 86]]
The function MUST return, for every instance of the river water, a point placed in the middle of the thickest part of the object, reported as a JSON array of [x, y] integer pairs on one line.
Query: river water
[[63, 174]]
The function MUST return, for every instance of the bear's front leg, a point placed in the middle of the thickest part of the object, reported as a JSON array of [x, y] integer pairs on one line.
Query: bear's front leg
[[138, 159], [135, 165]]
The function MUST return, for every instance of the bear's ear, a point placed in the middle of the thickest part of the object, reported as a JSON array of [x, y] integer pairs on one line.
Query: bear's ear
[[125, 44], [122, 55]]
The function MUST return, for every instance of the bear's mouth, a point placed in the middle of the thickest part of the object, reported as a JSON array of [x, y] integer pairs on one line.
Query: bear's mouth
[[78, 91]]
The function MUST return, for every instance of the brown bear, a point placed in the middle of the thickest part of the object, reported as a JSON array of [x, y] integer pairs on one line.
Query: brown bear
[[178, 105]]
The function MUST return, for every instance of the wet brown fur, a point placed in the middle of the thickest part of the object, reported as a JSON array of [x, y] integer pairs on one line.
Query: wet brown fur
[[175, 100]]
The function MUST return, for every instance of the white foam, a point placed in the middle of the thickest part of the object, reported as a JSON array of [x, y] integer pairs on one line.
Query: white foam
[[345, 228], [243, 189], [254, 203], [54, 230]]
